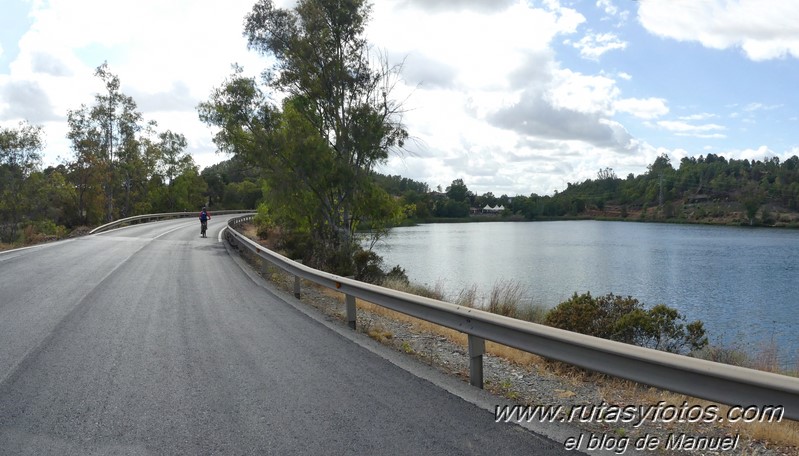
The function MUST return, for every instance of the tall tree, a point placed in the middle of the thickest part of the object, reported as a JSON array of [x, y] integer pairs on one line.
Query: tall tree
[[105, 135], [336, 123], [173, 161], [457, 190]]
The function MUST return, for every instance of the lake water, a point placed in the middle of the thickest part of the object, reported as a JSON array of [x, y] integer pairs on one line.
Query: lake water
[[742, 283]]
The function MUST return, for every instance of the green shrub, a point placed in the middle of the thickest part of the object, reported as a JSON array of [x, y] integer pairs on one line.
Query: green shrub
[[295, 245], [624, 319], [397, 274], [368, 266], [263, 221]]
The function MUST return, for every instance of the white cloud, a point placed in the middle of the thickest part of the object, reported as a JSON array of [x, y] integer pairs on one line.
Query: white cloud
[[760, 153], [682, 128], [760, 107], [700, 116], [474, 49], [592, 46], [42, 62], [643, 108], [488, 97], [25, 100], [763, 29], [608, 7], [583, 93], [483, 6]]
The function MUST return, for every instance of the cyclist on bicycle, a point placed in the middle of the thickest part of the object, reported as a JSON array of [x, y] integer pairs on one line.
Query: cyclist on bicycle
[[204, 217]]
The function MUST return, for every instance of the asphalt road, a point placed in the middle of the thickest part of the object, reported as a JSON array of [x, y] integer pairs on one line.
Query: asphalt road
[[151, 340]]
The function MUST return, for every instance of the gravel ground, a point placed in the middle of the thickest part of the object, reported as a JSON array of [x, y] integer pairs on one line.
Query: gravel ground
[[538, 383]]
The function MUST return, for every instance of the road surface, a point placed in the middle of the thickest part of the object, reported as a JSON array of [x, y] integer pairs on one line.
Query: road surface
[[151, 340]]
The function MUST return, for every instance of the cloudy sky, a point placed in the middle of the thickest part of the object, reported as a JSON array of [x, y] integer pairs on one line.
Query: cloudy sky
[[513, 97]]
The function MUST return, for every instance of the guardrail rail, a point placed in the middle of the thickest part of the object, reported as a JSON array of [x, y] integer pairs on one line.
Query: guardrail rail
[[721, 383], [153, 217]]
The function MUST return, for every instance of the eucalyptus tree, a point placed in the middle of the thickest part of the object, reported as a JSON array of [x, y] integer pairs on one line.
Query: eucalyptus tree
[[85, 170], [19, 157], [105, 137], [173, 161], [336, 122]]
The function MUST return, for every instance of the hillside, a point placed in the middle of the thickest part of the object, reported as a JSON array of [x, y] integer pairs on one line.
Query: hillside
[[709, 189]]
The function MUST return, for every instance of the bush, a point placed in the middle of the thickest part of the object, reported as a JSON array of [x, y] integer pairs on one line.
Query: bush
[[624, 319], [369, 268], [263, 221], [397, 274], [41, 231], [295, 245]]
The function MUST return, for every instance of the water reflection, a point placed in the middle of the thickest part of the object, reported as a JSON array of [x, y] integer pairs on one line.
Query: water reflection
[[741, 282]]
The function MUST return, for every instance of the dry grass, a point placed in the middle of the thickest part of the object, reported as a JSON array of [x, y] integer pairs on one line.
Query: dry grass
[[379, 334], [613, 390], [511, 354], [766, 357], [505, 298], [784, 433], [436, 292]]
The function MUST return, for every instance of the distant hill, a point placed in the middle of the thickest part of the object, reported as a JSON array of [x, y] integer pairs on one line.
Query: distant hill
[[707, 189]]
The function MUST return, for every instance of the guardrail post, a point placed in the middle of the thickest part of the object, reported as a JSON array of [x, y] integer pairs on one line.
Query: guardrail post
[[349, 300], [297, 283], [477, 347], [265, 268], [350, 311]]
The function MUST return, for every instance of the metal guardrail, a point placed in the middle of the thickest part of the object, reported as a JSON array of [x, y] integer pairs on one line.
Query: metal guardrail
[[721, 383], [151, 217]]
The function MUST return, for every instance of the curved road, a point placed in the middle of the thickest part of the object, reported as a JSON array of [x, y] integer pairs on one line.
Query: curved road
[[151, 340]]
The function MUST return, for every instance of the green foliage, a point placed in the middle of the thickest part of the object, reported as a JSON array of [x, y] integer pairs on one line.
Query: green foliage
[[242, 195], [451, 208], [19, 158], [121, 165], [109, 136], [337, 121], [696, 188], [49, 228], [457, 191], [369, 268], [176, 169], [752, 198], [263, 221], [624, 319], [396, 274]]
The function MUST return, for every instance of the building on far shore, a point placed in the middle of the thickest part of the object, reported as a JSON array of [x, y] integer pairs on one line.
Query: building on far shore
[[491, 210]]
